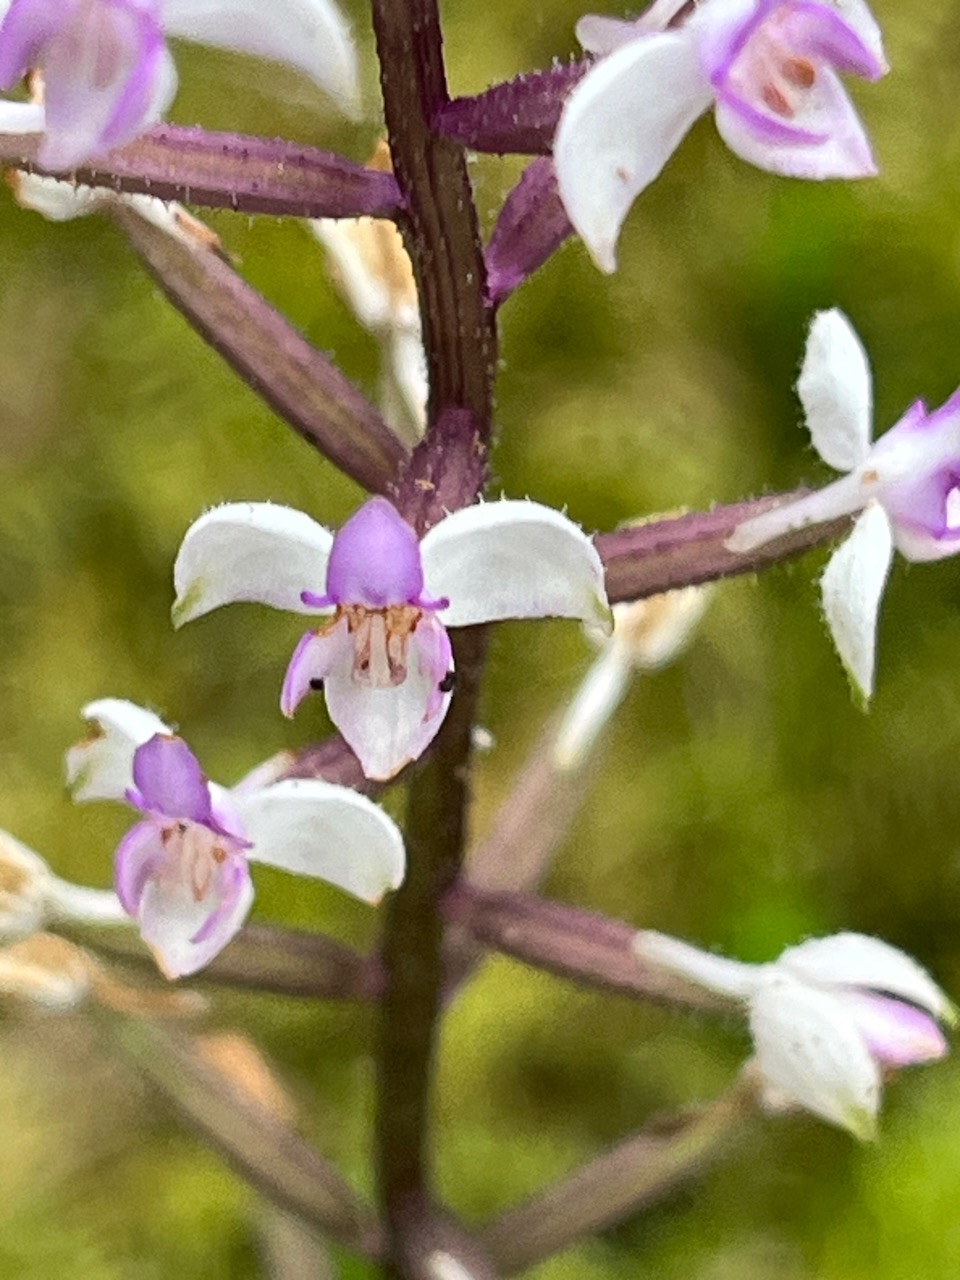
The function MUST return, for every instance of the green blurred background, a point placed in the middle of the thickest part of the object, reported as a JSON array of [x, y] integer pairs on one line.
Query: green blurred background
[[745, 802]]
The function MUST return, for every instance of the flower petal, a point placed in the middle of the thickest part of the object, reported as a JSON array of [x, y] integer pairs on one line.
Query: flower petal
[[808, 1049], [859, 18], [897, 1034], [824, 139], [170, 781], [375, 559], [255, 551], [514, 559], [835, 389], [314, 828], [387, 728], [842, 498], [139, 855], [852, 586], [619, 127], [857, 960], [311, 35], [101, 767], [184, 934], [315, 657]]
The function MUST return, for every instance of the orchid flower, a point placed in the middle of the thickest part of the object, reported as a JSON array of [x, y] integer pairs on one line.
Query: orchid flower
[[382, 652], [768, 67], [108, 74], [829, 1019], [906, 485], [182, 872]]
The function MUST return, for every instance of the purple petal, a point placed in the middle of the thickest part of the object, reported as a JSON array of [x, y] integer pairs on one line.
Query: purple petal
[[375, 559], [24, 32], [107, 76], [139, 855], [315, 657], [817, 31], [431, 650], [170, 780], [897, 1034]]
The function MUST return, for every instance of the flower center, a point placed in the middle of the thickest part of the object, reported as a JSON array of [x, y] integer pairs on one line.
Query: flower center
[[381, 639], [769, 74], [195, 855]]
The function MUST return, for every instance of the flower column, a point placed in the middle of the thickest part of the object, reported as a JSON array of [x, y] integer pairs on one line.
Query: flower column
[[447, 471]]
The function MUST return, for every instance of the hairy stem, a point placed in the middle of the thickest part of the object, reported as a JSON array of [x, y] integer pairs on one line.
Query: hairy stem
[[626, 1178], [229, 171], [646, 559], [413, 954], [439, 219]]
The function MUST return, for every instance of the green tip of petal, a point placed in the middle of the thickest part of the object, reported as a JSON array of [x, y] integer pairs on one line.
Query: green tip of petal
[[949, 1014], [861, 1123], [603, 615], [185, 607]]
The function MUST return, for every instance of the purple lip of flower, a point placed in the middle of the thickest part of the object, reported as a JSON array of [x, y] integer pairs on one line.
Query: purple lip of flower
[[375, 562], [106, 70], [773, 62], [183, 844]]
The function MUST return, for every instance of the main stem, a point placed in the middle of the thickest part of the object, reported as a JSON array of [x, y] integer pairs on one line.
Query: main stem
[[440, 225]]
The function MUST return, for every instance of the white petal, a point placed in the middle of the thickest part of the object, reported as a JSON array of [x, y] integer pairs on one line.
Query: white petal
[[21, 117], [731, 978], [809, 1050], [170, 918], [856, 960], [311, 35], [101, 768], [250, 551], [835, 389], [313, 828], [852, 586], [842, 498], [600, 35], [56, 200], [387, 728], [513, 559], [619, 127]]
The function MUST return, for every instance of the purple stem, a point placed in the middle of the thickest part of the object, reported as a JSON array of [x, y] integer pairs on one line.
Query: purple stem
[[646, 559], [580, 945], [520, 115], [441, 232], [231, 171], [304, 387], [532, 225]]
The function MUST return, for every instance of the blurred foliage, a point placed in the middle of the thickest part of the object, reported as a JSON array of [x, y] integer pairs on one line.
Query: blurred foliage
[[745, 801]]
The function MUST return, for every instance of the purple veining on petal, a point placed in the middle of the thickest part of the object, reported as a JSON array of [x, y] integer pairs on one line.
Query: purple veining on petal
[[819, 32], [316, 655], [434, 655], [135, 109], [766, 69], [25, 29], [896, 1033], [317, 602], [375, 559], [170, 780], [231, 882], [139, 856]]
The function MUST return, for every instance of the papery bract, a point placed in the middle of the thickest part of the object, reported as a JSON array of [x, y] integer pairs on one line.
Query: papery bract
[[767, 66], [906, 484], [182, 872], [829, 1018], [108, 74], [384, 658]]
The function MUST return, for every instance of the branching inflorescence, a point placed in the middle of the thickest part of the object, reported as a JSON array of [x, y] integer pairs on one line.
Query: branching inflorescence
[[403, 593]]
